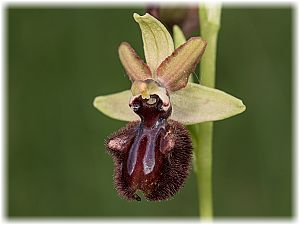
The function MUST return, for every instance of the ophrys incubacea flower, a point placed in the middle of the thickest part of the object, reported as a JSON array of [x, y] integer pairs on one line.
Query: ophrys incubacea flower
[[153, 152]]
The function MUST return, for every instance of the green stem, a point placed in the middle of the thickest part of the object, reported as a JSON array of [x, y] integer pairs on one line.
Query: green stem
[[209, 26], [204, 169]]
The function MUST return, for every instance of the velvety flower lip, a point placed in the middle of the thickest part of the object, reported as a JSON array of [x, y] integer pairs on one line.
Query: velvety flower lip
[[153, 152], [153, 155]]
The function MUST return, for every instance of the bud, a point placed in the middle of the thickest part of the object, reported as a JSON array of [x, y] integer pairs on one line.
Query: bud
[[185, 17]]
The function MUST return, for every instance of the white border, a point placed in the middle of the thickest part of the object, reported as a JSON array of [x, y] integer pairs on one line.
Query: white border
[[3, 115], [120, 3]]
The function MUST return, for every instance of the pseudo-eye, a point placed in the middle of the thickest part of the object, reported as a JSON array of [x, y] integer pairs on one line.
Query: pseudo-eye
[[153, 152]]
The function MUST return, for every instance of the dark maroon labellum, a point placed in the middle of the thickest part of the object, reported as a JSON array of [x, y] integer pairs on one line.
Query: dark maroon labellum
[[152, 155]]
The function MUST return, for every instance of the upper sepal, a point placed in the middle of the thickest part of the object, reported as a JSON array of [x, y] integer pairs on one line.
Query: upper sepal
[[158, 43]]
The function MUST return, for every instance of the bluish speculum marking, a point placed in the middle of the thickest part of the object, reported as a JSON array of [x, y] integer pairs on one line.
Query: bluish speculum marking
[[131, 162], [153, 120], [152, 155], [149, 158]]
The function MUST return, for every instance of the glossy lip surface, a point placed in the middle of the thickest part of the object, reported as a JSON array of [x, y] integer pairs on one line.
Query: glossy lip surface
[[153, 121], [152, 155]]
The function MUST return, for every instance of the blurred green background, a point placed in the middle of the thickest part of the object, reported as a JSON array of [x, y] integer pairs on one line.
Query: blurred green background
[[60, 59]]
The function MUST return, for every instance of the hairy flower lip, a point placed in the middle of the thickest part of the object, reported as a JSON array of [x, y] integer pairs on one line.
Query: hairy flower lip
[[153, 155], [172, 163]]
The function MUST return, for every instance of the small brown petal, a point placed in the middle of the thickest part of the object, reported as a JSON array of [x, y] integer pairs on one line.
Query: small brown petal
[[134, 66], [174, 71]]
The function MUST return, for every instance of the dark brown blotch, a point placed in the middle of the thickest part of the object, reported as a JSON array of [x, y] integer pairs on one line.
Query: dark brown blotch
[[171, 155]]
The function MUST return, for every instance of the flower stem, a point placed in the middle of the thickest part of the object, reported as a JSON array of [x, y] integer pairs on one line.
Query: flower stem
[[209, 26], [204, 169]]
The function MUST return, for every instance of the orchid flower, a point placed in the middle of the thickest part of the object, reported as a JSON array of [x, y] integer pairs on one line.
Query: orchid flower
[[153, 152]]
